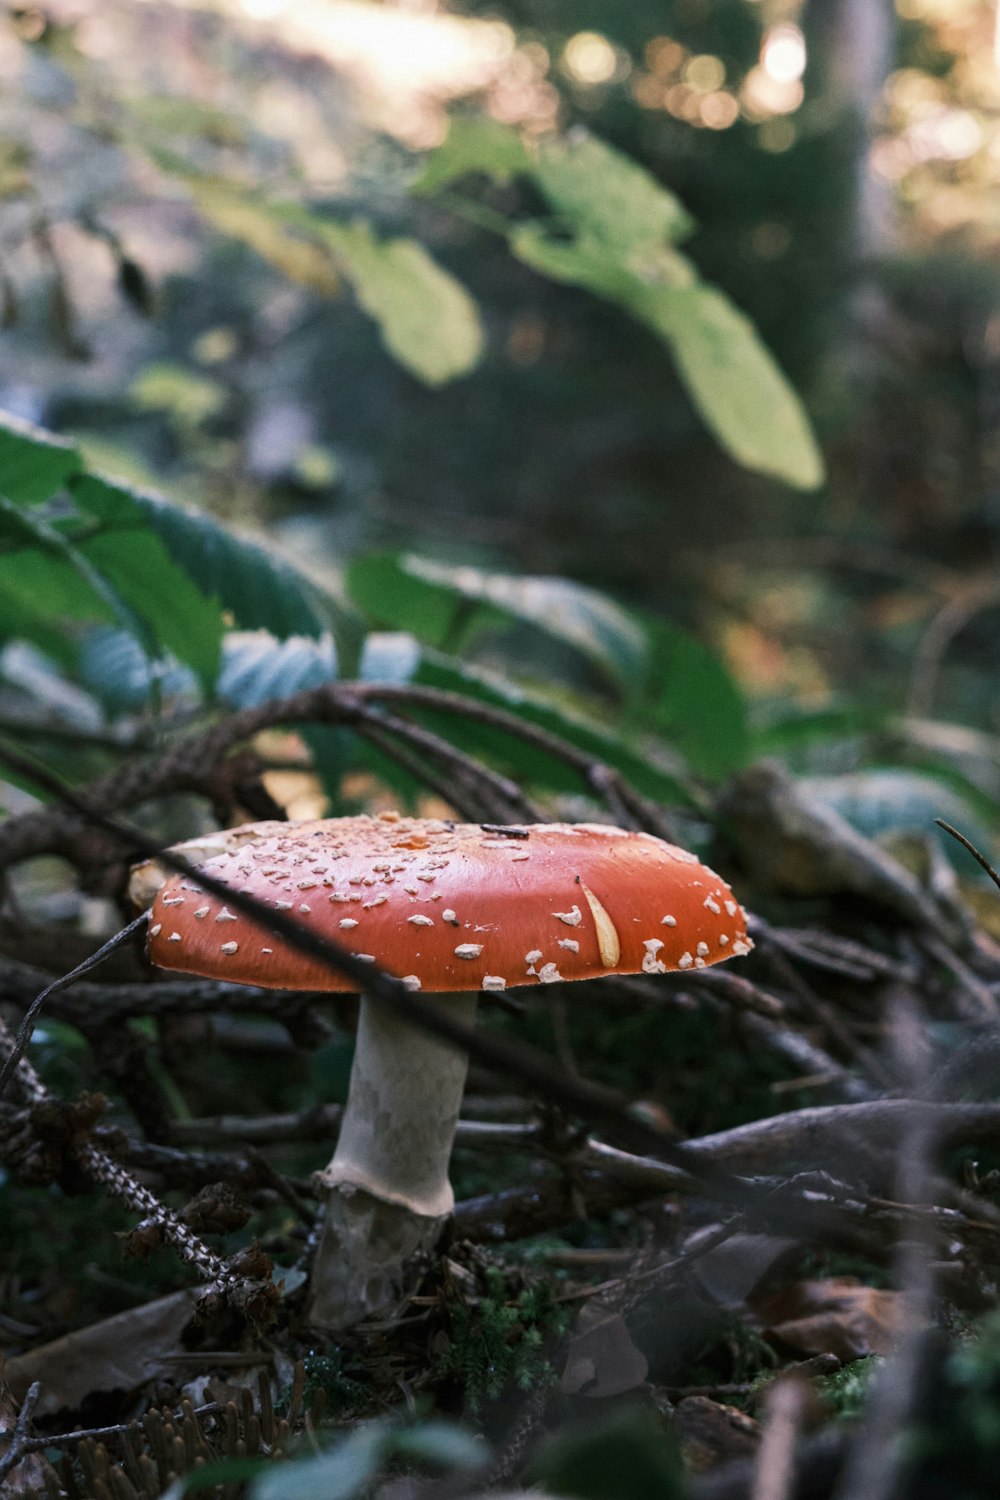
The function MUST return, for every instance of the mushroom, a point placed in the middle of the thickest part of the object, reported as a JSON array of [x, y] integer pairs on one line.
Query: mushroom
[[453, 910]]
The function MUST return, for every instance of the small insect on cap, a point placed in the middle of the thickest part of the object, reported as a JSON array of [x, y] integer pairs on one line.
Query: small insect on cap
[[452, 906]]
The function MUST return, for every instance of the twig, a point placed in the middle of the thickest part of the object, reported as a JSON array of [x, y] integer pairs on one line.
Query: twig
[[967, 844], [98, 1434], [27, 1025], [18, 1446]]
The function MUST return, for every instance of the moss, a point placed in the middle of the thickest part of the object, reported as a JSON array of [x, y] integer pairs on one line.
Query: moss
[[846, 1390], [500, 1341]]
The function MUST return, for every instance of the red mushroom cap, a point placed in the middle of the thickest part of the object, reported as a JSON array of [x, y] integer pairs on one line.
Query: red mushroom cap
[[452, 906]]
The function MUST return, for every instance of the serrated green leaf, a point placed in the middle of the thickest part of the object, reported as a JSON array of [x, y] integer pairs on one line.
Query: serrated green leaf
[[742, 395], [427, 318], [33, 464], [183, 620], [258, 589], [113, 666], [432, 598], [25, 533], [474, 143], [602, 193]]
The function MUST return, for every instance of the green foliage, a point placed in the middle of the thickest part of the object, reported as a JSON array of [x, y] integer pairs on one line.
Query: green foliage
[[325, 1372], [613, 235], [665, 681], [78, 548], [502, 1341], [427, 319], [474, 143], [448, 606], [137, 597], [626, 1455], [605, 197], [846, 1390]]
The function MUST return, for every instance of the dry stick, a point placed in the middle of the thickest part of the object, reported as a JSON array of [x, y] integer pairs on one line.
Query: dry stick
[[18, 1447], [421, 771], [823, 1013], [31, 1014], [511, 803], [984, 1002], [340, 703], [967, 844], [97, 1434], [104, 1003]]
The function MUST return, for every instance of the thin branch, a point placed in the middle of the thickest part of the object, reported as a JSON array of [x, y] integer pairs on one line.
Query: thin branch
[[18, 1447], [31, 1015]]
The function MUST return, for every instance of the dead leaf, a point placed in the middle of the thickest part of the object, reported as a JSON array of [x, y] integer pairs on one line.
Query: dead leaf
[[837, 1316], [602, 1359], [118, 1354]]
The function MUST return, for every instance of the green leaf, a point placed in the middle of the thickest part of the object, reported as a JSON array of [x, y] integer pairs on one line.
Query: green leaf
[[33, 464], [432, 599], [897, 799], [474, 143], [129, 553], [23, 532], [626, 1455], [588, 263], [258, 589], [733, 380], [338, 1474], [603, 193], [693, 701], [427, 318]]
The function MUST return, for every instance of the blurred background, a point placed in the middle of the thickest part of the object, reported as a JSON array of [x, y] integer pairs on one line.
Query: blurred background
[[166, 168]]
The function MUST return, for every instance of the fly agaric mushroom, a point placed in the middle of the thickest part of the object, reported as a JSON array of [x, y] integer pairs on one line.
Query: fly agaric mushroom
[[451, 909]]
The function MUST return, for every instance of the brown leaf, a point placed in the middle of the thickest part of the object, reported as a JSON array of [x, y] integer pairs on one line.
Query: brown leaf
[[836, 1316], [117, 1354], [602, 1359]]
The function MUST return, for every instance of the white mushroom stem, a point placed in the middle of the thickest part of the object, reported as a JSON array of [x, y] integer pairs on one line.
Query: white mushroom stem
[[387, 1184]]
